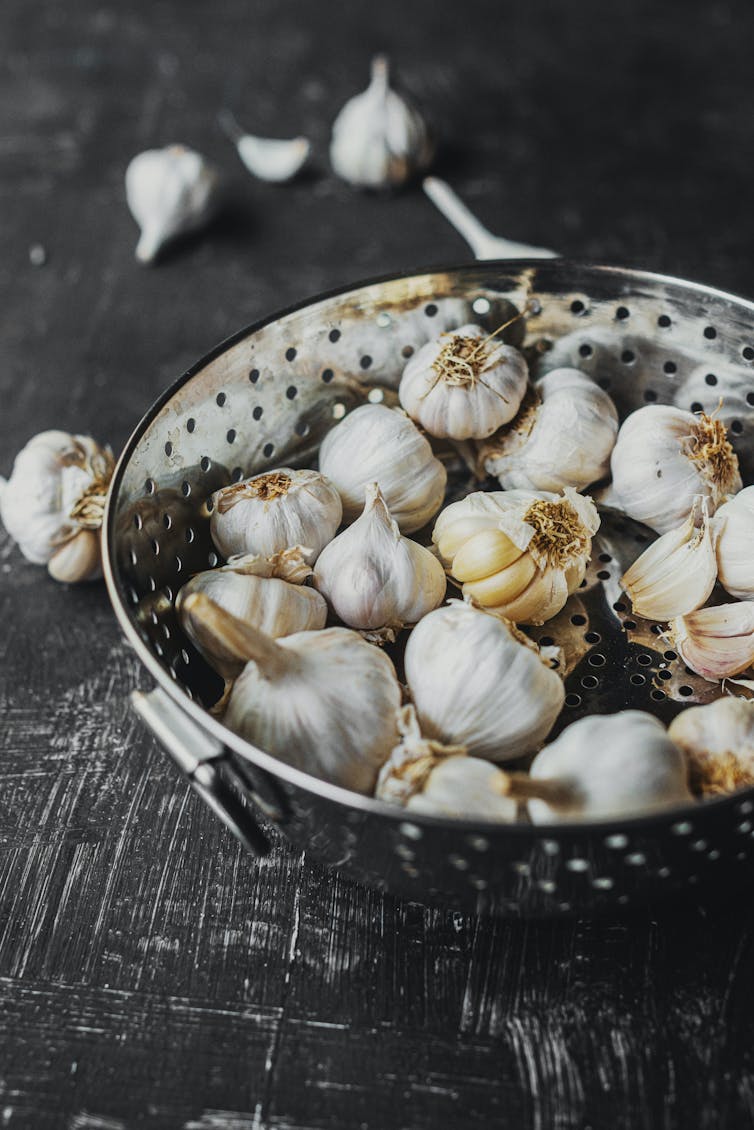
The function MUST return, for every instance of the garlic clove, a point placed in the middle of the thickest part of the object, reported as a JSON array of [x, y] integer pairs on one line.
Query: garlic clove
[[270, 159], [717, 642], [677, 573], [378, 139], [542, 599], [170, 192], [499, 588], [78, 559], [734, 522], [718, 742], [483, 554]]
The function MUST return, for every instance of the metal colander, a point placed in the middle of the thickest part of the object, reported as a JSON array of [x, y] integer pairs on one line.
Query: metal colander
[[265, 398]]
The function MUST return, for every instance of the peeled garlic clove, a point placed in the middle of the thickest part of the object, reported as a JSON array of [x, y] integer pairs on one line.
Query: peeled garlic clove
[[677, 573], [271, 512], [718, 741], [603, 767], [323, 702], [718, 642], [464, 385], [58, 489], [375, 444], [269, 159], [562, 436], [378, 139], [373, 577], [734, 522], [663, 458], [170, 192], [478, 682]]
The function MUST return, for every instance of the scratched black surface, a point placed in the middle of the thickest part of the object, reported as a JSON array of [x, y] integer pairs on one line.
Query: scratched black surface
[[151, 975]]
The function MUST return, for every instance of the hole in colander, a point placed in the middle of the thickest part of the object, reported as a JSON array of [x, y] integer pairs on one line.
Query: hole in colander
[[167, 521], [710, 332], [302, 428], [220, 399], [663, 321], [710, 379], [134, 557], [628, 356], [577, 306], [589, 682], [430, 310], [168, 448], [376, 395], [685, 691], [596, 660], [664, 675], [658, 695], [164, 628], [546, 641], [149, 486], [619, 606], [365, 361], [155, 546], [481, 305], [268, 449], [747, 353], [327, 375], [338, 410], [334, 335], [578, 619], [573, 699], [695, 406], [605, 557], [638, 680], [212, 559], [257, 412], [190, 424], [650, 395], [237, 474], [383, 320], [669, 367], [603, 575], [407, 351], [592, 637], [230, 435], [205, 463], [253, 375], [750, 398], [190, 535], [291, 392], [178, 564], [585, 350], [290, 354], [209, 504], [622, 313], [185, 488], [138, 523], [168, 593], [736, 427]]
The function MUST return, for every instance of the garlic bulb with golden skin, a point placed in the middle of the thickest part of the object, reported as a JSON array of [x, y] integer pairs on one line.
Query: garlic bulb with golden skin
[[718, 741]]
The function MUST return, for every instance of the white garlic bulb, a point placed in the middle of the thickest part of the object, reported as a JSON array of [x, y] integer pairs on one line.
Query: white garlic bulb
[[663, 458], [274, 511], [606, 766], [266, 592], [324, 702], [378, 139], [518, 552], [426, 776], [718, 741], [562, 436], [677, 573], [464, 385], [53, 503], [170, 192], [375, 444], [374, 578], [734, 522], [716, 642], [270, 159], [478, 682]]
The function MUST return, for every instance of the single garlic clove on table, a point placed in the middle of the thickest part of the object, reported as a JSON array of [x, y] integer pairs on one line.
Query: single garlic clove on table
[[718, 642], [718, 741], [734, 522], [170, 192], [270, 159]]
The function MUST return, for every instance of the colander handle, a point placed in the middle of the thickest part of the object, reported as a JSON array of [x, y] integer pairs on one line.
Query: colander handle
[[198, 756]]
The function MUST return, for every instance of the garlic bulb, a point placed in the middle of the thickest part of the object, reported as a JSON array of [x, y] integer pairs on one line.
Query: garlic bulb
[[269, 159], [378, 139], [427, 776], [53, 503], [374, 578], [718, 741], [517, 552], [170, 192], [605, 766], [478, 682], [266, 592], [734, 521], [677, 573], [562, 436], [663, 458], [274, 511], [375, 444], [464, 385], [716, 642], [324, 702]]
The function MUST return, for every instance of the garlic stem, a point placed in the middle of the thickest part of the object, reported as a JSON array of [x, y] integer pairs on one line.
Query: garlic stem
[[520, 786], [227, 632]]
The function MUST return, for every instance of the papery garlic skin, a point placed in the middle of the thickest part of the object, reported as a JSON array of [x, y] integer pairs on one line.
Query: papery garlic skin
[[663, 458], [562, 436], [718, 741], [476, 681], [274, 511], [677, 573], [608, 766], [373, 577], [519, 553], [717, 642], [54, 496], [464, 385], [170, 192], [734, 522], [379, 444], [378, 139]]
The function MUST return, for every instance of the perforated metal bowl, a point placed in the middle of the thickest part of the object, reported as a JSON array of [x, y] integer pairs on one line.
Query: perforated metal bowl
[[265, 398]]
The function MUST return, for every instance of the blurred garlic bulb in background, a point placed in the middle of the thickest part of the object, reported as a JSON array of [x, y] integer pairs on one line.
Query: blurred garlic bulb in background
[[53, 503], [718, 741], [274, 511], [375, 444], [663, 458], [464, 385], [426, 776], [269, 159], [378, 139], [716, 642], [517, 552], [478, 682], [170, 192], [734, 522], [374, 578], [562, 436], [606, 766], [677, 573], [323, 702], [266, 592]]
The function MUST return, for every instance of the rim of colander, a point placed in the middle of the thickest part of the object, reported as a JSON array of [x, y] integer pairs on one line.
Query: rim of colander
[[297, 777]]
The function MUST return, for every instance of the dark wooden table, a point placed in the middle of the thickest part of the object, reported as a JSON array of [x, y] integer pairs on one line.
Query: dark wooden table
[[151, 974]]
